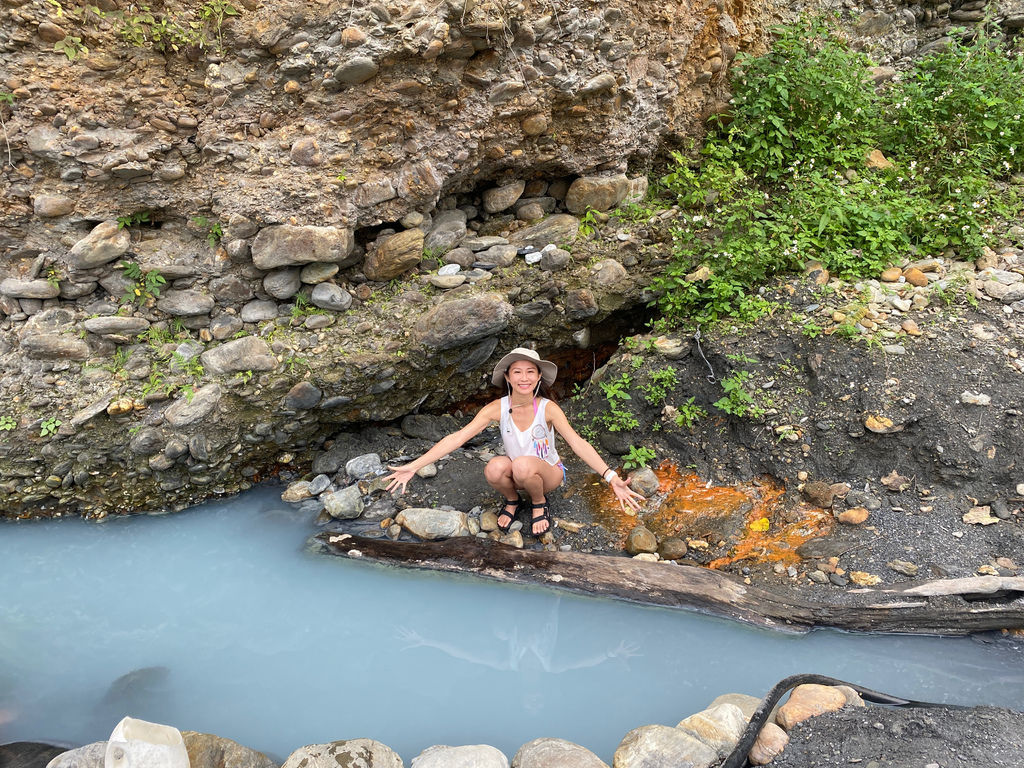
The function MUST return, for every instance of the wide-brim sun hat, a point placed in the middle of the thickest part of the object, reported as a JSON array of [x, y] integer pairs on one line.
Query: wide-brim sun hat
[[548, 370]]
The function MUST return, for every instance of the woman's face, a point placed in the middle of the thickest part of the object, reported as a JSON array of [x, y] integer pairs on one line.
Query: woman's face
[[523, 376]]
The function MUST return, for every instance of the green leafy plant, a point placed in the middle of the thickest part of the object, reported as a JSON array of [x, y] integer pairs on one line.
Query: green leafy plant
[[638, 457], [616, 392], [214, 230], [244, 376], [72, 47], [661, 383], [214, 13], [49, 426], [736, 400], [589, 223], [7, 423], [53, 276], [689, 414], [302, 307], [146, 284], [134, 219]]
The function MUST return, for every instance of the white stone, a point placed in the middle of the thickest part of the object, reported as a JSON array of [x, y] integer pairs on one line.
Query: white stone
[[555, 753], [469, 756], [449, 269], [141, 744], [975, 398]]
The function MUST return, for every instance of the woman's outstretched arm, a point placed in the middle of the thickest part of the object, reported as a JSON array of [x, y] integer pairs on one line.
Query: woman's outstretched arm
[[587, 452], [400, 476]]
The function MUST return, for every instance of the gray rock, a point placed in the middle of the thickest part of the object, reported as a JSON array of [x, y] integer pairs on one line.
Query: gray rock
[[318, 272], [374, 191], [559, 229], [29, 289], [645, 481], [429, 427], [533, 311], [482, 243], [601, 193], [366, 465], [468, 756], [432, 524], [448, 229], [331, 297], [225, 326], [344, 504], [208, 751], [45, 346], [351, 753], [653, 746], [356, 70], [458, 322], [199, 447], [89, 756], [184, 303], [116, 324], [287, 245], [555, 753], [609, 274], [555, 259], [302, 396], [258, 310], [282, 283], [92, 410], [499, 255], [105, 243], [501, 198], [246, 354], [580, 304], [641, 539], [184, 413], [147, 441], [305, 151], [230, 290], [319, 484]]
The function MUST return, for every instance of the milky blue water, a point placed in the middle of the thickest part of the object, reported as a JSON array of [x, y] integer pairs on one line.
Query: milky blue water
[[217, 620]]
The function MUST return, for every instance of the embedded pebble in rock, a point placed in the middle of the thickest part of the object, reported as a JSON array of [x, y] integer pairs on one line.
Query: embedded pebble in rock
[[184, 303], [106, 242], [344, 504], [258, 310], [52, 206], [28, 289], [641, 540], [807, 701], [555, 753], [318, 272], [184, 413], [601, 193], [854, 515], [394, 255], [302, 396], [331, 297], [366, 465], [283, 283], [53, 347], [457, 322], [446, 231], [246, 354], [356, 70], [771, 741], [469, 756], [306, 151], [286, 245], [433, 524], [719, 727], [609, 274], [224, 327], [230, 290], [559, 228], [357, 753], [660, 745], [501, 198]]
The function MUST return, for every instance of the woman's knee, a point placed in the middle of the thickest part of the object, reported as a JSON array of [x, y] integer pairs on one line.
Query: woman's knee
[[524, 468], [498, 469]]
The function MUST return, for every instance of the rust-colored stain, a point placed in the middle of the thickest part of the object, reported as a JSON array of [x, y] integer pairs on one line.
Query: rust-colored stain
[[748, 522]]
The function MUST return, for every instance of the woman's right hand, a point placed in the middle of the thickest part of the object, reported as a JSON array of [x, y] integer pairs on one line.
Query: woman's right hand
[[399, 478]]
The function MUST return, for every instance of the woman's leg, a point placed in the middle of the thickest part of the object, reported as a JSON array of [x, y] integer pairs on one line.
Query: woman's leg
[[537, 478], [498, 474]]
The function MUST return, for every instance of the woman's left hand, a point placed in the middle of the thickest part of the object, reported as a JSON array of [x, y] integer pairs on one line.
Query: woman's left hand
[[625, 494]]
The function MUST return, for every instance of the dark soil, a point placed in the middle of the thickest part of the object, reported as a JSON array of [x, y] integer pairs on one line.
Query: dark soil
[[877, 737]]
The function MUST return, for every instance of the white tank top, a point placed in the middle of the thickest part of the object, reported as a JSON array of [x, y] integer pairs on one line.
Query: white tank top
[[537, 440]]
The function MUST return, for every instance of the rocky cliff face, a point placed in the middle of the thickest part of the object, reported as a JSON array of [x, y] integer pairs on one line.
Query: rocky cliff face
[[224, 227]]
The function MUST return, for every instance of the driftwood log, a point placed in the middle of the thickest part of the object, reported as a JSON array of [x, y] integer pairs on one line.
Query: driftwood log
[[943, 607]]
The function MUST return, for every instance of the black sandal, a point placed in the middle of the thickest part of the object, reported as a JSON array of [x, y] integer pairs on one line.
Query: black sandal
[[542, 517], [511, 515]]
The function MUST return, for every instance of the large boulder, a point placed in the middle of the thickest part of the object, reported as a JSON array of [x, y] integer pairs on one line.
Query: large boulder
[[655, 746], [555, 753], [348, 753], [602, 193], [394, 255], [208, 751], [286, 245], [246, 354], [720, 727], [807, 701], [458, 322], [106, 242], [433, 524]]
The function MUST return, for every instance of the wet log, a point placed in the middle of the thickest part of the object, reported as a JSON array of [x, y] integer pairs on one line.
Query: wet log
[[944, 607]]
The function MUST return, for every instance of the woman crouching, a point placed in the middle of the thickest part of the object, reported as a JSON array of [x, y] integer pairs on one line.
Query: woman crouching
[[528, 422]]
